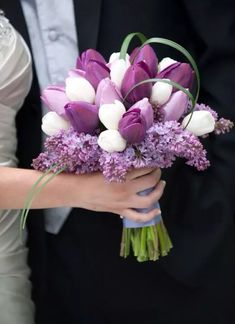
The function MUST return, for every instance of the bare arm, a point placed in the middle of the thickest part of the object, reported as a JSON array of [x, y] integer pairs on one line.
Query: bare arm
[[89, 191]]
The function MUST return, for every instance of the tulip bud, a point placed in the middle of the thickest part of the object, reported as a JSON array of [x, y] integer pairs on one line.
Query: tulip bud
[[107, 92], [161, 93], [111, 114], [181, 73], [132, 126], [79, 89], [95, 72], [83, 116], [176, 106], [87, 56], [146, 110], [55, 99], [164, 63], [111, 141], [148, 56], [116, 56], [201, 123], [117, 71], [134, 75], [52, 123]]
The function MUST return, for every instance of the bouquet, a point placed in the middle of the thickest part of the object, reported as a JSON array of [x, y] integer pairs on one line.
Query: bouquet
[[129, 112]]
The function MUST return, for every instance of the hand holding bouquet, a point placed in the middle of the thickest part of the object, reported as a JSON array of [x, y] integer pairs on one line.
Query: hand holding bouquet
[[130, 112]]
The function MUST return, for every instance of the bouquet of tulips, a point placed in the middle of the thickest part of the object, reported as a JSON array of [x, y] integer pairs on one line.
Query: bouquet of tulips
[[129, 112]]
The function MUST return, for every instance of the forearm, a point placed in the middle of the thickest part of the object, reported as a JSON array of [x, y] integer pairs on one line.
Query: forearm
[[15, 185]]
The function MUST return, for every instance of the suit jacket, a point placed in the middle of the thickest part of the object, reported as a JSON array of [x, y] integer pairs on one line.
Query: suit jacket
[[198, 208]]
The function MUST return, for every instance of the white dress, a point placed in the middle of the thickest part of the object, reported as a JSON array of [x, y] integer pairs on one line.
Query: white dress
[[16, 306]]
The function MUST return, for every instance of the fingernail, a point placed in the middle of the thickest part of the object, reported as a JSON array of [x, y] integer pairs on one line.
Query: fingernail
[[163, 183]]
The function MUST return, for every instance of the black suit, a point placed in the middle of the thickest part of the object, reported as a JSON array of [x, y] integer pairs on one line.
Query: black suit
[[78, 276]]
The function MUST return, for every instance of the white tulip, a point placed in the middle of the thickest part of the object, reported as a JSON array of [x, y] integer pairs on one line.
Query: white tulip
[[115, 57], [161, 93], [111, 141], [52, 123], [111, 114], [79, 89], [117, 71], [201, 123], [164, 63]]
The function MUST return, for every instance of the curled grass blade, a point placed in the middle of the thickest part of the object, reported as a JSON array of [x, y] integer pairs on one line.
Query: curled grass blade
[[127, 41]]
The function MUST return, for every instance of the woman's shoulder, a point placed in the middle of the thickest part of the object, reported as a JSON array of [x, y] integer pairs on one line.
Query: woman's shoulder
[[15, 65]]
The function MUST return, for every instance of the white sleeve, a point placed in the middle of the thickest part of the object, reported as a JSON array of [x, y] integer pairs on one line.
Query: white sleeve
[[15, 82], [16, 305]]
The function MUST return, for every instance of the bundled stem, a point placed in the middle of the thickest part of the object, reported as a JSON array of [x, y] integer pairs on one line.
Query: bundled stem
[[147, 243]]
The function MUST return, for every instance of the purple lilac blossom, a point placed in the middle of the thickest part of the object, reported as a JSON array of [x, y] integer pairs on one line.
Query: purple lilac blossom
[[223, 126], [80, 153]]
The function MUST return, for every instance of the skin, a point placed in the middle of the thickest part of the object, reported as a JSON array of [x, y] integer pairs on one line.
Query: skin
[[88, 191]]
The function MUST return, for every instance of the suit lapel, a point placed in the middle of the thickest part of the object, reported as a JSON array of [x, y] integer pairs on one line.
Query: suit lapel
[[87, 16]]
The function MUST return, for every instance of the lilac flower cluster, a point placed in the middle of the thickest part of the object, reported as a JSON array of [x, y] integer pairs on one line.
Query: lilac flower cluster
[[223, 126], [80, 153], [162, 145]]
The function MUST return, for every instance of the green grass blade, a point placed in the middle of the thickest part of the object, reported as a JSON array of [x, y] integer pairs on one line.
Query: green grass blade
[[127, 41], [35, 193], [31, 193]]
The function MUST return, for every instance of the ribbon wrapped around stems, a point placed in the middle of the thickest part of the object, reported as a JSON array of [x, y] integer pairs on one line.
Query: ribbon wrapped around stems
[[148, 240]]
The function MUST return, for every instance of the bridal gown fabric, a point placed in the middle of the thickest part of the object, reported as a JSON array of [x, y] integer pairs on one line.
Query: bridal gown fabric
[[16, 306]]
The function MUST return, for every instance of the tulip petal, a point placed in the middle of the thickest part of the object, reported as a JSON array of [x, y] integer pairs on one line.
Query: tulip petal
[[161, 93], [55, 99], [165, 63], [199, 123], [118, 69], [147, 55], [52, 123], [132, 126], [79, 89], [134, 75], [87, 56], [111, 114], [176, 106], [146, 111], [95, 72], [83, 116], [111, 141], [181, 73], [107, 92]]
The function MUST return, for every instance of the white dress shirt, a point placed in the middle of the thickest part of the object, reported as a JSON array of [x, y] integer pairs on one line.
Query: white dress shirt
[[15, 80], [52, 31]]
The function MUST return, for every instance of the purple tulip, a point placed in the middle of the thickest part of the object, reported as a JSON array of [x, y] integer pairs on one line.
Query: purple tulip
[[147, 55], [82, 116], [181, 73], [87, 56], [107, 92], [146, 110], [55, 99], [135, 74], [95, 72], [132, 126], [176, 106]]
